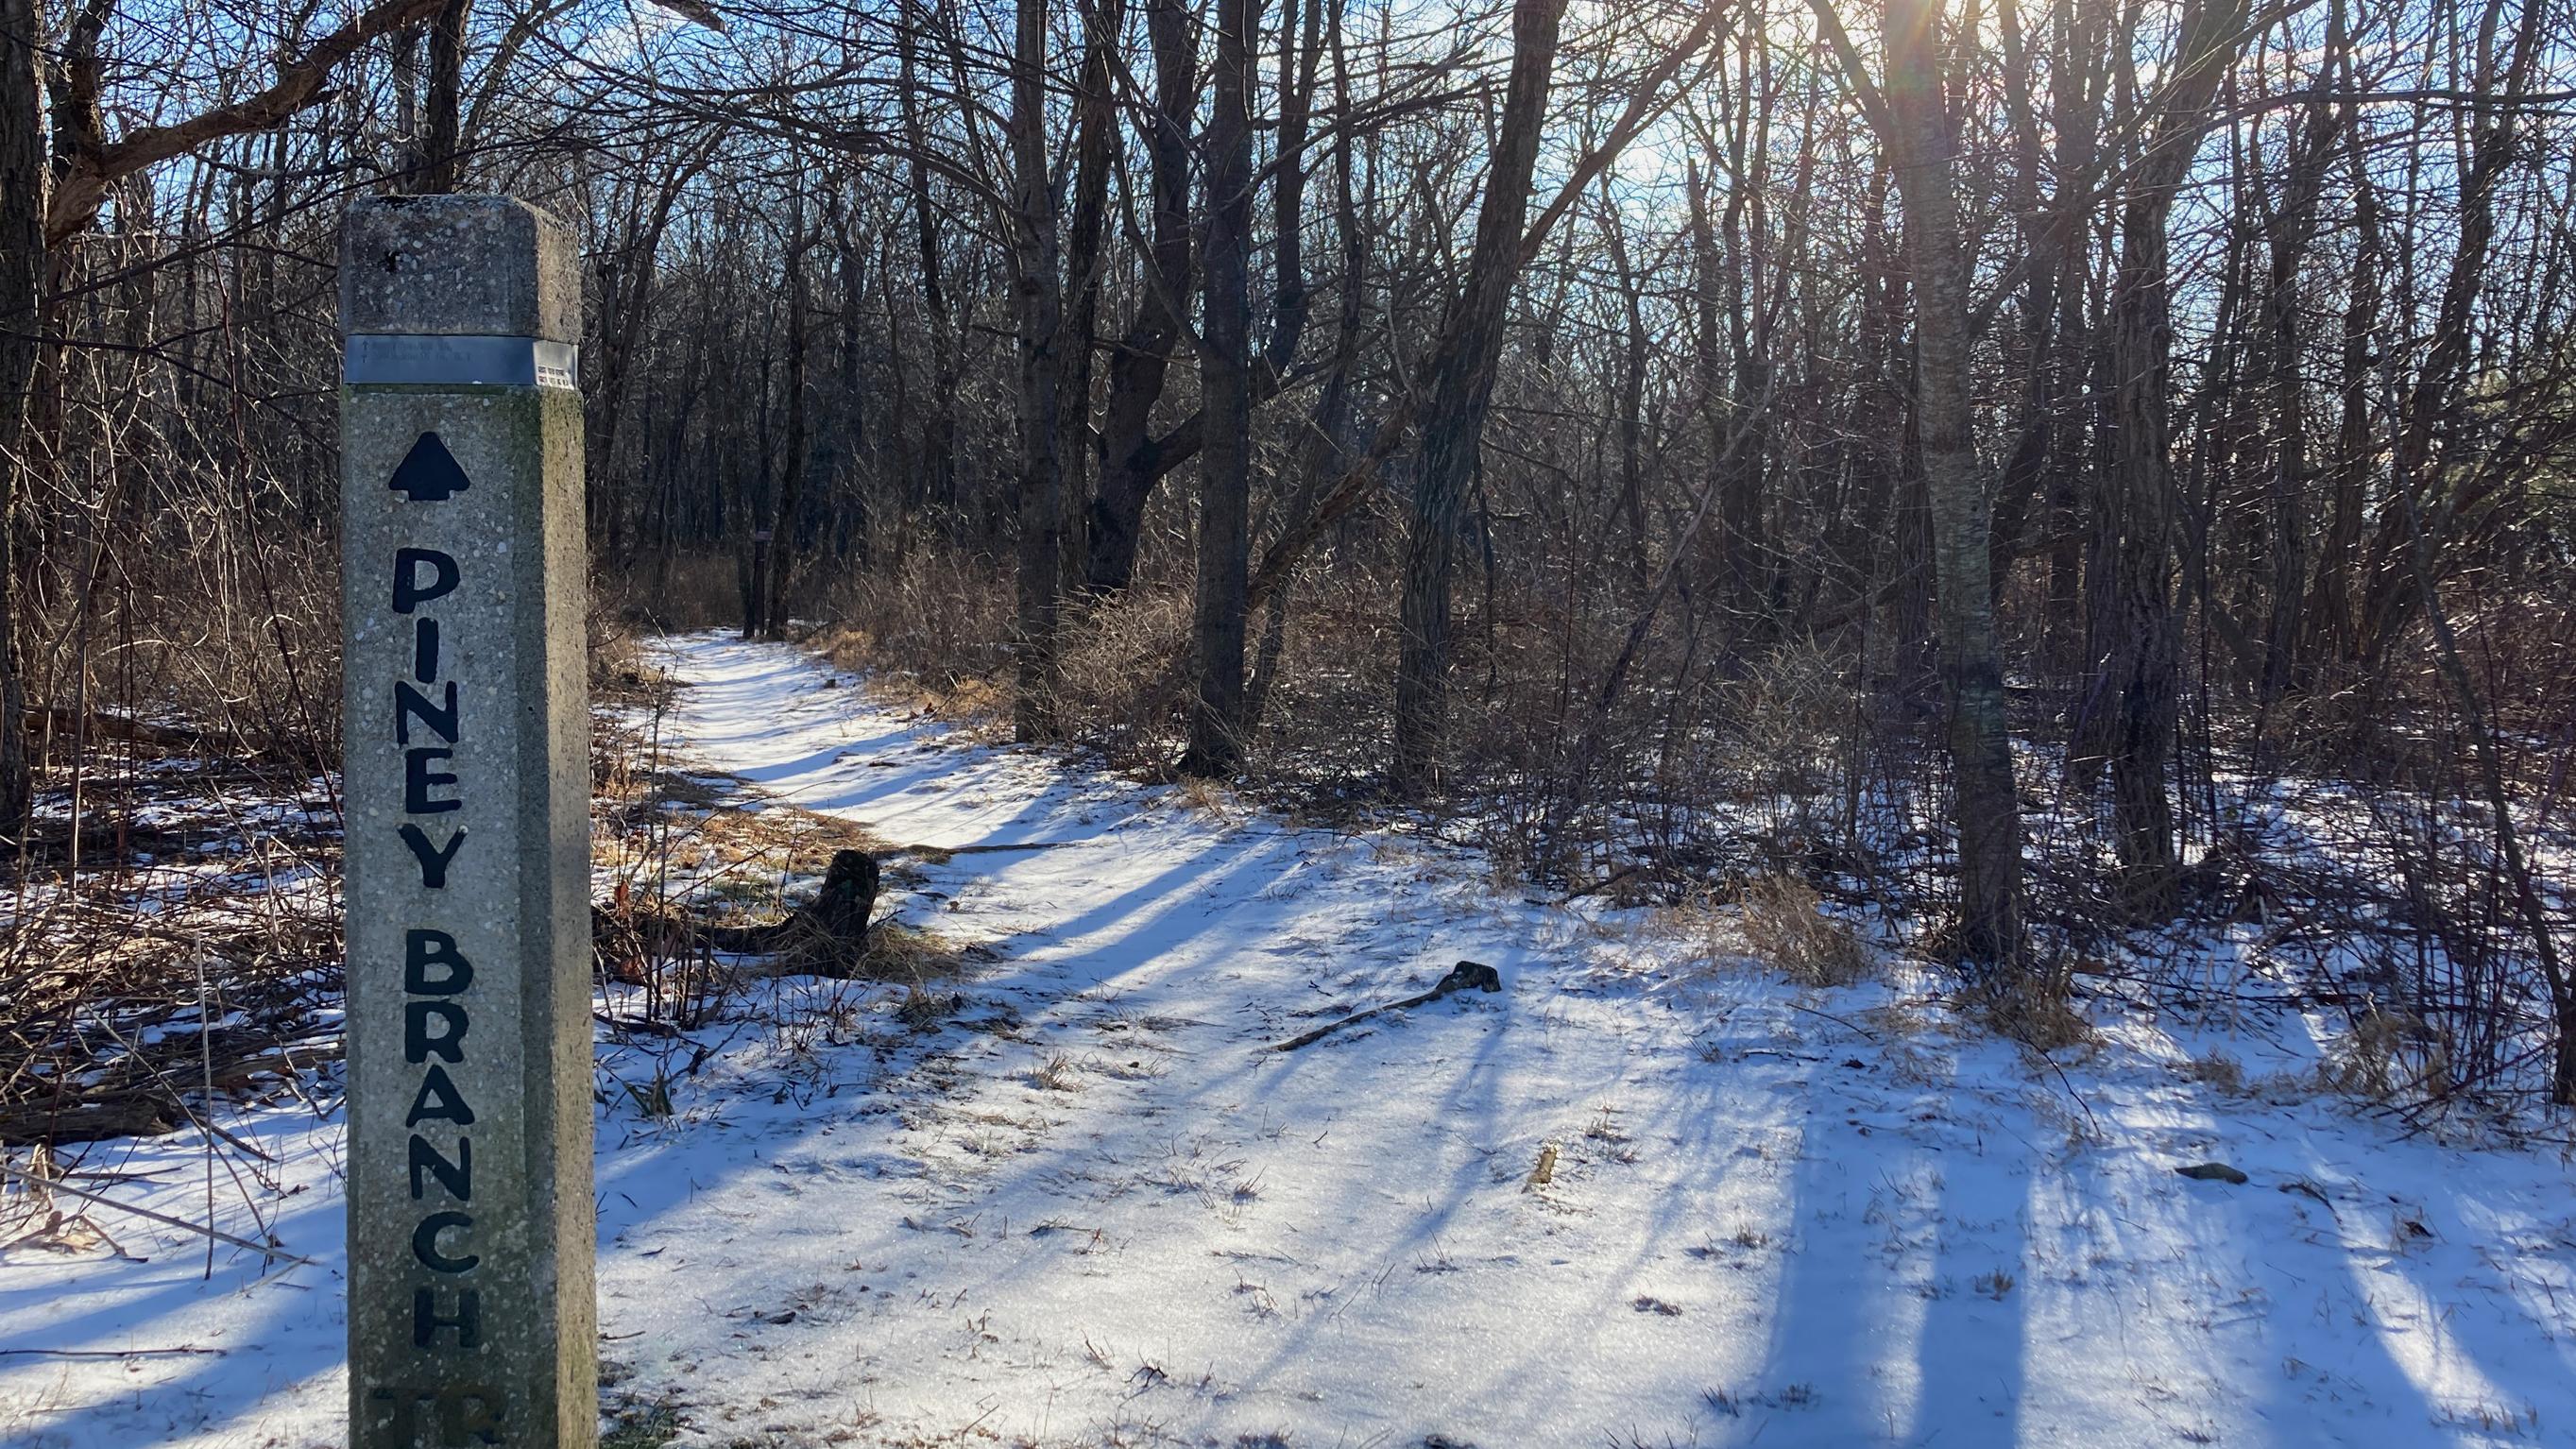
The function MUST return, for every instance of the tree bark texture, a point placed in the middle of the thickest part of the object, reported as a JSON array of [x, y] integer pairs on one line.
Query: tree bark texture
[[1461, 389]]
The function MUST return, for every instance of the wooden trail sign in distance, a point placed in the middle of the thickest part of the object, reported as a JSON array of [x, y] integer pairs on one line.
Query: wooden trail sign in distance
[[467, 793]]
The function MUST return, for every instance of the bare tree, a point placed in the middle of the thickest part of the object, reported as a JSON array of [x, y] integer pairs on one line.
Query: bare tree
[[2201, 368], [1913, 119], [1225, 393], [1040, 287], [787, 516], [1460, 389], [22, 277], [2141, 661], [1130, 461]]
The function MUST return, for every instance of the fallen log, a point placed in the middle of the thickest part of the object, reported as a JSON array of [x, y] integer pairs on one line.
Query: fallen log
[[1461, 977], [152, 1108], [62, 1122]]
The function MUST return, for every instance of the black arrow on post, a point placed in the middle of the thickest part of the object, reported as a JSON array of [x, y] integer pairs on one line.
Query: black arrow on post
[[428, 473]]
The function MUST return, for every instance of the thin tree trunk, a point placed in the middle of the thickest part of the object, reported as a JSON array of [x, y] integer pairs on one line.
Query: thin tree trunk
[[22, 279], [850, 452], [1095, 140], [442, 168], [1740, 492], [2293, 228], [1985, 802], [1225, 393], [1297, 68], [1324, 448], [2146, 657], [2433, 404], [1040, 289], [1461, 388], [1633, 362], [936, 485], [792, 454], [1129, 462], [2328, 616]]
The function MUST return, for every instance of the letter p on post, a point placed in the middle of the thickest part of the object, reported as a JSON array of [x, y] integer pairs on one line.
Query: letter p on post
[[467, 795]]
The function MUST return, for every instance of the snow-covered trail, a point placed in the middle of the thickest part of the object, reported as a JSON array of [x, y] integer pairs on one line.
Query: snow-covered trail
[[1093, 1209]]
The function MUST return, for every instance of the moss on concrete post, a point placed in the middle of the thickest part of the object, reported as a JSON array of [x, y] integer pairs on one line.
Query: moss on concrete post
[[471, 1317]]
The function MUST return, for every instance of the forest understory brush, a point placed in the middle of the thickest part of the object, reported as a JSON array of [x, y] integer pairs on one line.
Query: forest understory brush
[[174, 950], [1807, 767]]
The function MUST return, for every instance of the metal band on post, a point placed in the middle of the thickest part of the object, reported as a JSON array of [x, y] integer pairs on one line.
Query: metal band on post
[[410, 360]]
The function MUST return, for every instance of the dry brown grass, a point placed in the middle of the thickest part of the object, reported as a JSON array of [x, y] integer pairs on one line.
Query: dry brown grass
[[1119, 686], [937, 621], [2217, 1070], [2034, 1007], [688, 851], [2387, 1056], [675, 592], [1785, 924]]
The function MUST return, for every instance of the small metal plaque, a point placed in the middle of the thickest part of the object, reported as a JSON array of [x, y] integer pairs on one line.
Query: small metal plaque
[[396, 358]]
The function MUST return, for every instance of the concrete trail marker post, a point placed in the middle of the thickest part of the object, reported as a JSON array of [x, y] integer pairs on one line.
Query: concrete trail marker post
[[471, 1318]]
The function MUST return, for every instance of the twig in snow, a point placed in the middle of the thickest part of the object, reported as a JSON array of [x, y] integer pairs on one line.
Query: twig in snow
[[48, 1184], [2078, 1096], [1829, 1016], [1461, 976], [938, 853]]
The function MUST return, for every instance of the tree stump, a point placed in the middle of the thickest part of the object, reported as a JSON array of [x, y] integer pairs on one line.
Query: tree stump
[[849, 894], [825, 937]]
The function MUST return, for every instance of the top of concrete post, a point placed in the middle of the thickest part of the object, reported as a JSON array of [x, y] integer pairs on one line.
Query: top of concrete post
[[458, 266]]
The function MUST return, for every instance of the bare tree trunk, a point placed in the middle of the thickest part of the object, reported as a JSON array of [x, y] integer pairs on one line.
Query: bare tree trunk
[[1985, 803], [1740, 489], [937, 484], [1708, 361], [2077, 82], [442, 168], [1094, 145], [22, 280], [790, 500], [1129, 461], [408, 149], [2028, 463], [1633, 361], [1297, 67], [1324, 447], [2143, 661], [2143, 655], [1225, 393], [850, 462], [1041, 292], [1461, 388], [2433, 404], [2292, 230], [2328, 616]]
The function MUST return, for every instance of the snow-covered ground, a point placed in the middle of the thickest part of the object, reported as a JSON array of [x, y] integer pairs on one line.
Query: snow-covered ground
[[1092, 1209]]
